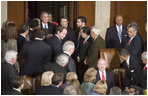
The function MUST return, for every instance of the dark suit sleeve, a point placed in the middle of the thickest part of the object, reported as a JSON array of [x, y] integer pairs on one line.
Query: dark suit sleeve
[[72, 36], [127, 79], [23, 52], [107, 39], [72, 65]]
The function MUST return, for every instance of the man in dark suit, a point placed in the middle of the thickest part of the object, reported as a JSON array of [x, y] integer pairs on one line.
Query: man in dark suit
[[105, 75], [116, 36], [8, 71], [98, 43], [134, 44], [59, 66], [35, 53], [132, 69], [53, 89], [55, 41], [70, 32], [17, 85], [22, 37], [45, 24]]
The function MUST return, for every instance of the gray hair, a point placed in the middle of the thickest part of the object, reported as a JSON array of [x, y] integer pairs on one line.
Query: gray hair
[[134, 26], [144, 55], [9, 55], [115, 91], [95, 30], [70, 90], [68, 45], [62, 59]]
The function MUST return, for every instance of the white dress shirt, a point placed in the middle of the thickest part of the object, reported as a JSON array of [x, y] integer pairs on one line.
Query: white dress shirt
[[43, 24]]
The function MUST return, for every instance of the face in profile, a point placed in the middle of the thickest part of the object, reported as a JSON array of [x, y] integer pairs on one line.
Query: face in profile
[[62, 34], [44, 18], [119, 20], [131, 32], [79, 23], [64, 22], [102, 65]]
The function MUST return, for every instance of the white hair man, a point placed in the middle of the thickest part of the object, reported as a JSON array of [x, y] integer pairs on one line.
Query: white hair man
[[8, 71], [93, 53], [59, 66], [68, 49]]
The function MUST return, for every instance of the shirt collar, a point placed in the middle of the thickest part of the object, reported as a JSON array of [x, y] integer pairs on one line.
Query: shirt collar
[[132, 37], [17, 89], [127, 61], [23, 35], [57, 36], [38, 38], [67, 53], [87, 38]]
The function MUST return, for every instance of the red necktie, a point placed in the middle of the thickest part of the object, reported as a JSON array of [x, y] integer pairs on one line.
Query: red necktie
[[103, 77], [127, 42], [83, 42], [144, 67]]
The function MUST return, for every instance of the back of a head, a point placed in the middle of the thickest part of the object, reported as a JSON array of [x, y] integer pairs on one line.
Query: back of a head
[[46, 79], [68, 45], [62, 59], [75, 83], [24, 28], [34, 23], [17, 82], [82, 18], [60, 29], [95, 30], [9, 55], [90, 75], [86, 30], [70, 90], [100, 87], [123, 52], [71, 75], [40, 33], [115, 91], [57, 78]]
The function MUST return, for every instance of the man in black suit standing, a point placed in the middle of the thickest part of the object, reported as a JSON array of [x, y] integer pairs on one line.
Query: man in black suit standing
[[56, 41], [35, 53], [45, 24], [17, 85], [105, 75], [70, 32], [8, 71], [134, 44], [116, 36], [132, 69]]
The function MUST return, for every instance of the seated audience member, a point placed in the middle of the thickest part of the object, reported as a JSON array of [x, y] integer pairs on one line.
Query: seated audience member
[[143, 75], [115, 91], [8, 71], [69, 76], [104, 74], [100, 88], [58, 67], [132, 69], [55, 41], [124, 92], [50, 19], [46, 81], [98, 43], [69, 90], [22, 37], [35, 53], [82, 51], [45, 24], [57, 81], [34, 24], [68, 49], [116, 35], [134, 44], [70, 32], [89, 79], [75, 83], [17, 85]]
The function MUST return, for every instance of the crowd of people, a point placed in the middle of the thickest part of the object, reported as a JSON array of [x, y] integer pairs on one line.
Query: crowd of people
[[67, 60]]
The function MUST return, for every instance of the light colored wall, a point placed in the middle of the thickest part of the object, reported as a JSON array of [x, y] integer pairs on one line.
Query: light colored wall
[[3, 11], [102, 16]]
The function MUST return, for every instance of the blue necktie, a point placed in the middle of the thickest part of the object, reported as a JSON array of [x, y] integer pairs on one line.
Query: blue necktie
[[120, 34], [45, 27]]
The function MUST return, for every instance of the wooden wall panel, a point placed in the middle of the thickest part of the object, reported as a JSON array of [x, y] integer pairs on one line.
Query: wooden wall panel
[[16, 12], [131, 11]]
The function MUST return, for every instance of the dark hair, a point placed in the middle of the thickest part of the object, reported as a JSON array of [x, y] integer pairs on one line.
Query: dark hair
[[123, 52], [17, 81], [86, 30], [82, 18], [64, 17], [115, 91], [33, 24], [57, 78], [134, 26], [60, 29], [10, 32], [40, 33], [24, 28], [43, 12]]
